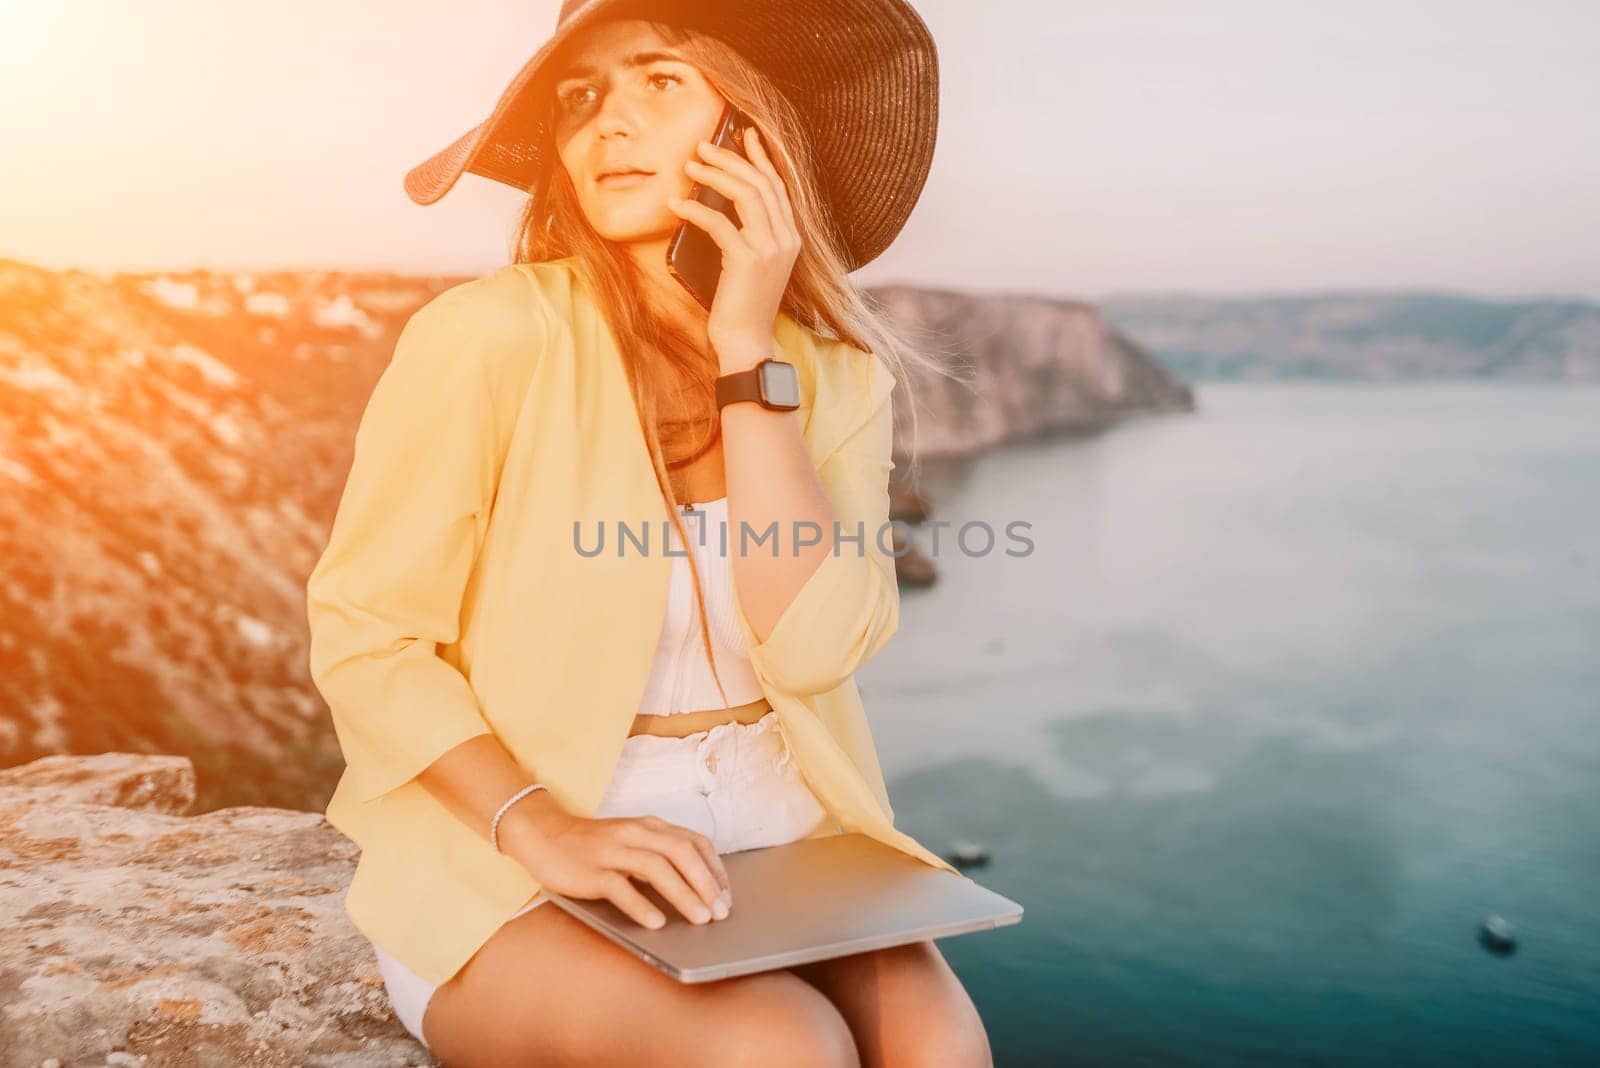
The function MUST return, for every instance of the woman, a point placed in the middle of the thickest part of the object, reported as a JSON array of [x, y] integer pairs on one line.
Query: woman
[[485, 679]]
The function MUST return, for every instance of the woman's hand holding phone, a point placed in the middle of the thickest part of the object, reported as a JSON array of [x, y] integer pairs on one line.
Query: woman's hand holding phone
[[758, 256], [594, 858]]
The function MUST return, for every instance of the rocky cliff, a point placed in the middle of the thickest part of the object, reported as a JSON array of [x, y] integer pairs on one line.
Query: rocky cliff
[[1029, 366], [171, 451]]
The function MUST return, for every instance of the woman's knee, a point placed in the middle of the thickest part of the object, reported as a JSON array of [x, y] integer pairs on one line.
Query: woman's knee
[[777, 1022], [949, 1040], [951, 1032]]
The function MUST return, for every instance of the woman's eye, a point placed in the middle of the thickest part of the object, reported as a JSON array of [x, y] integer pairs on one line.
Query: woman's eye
[[669, 77], [566, 98]]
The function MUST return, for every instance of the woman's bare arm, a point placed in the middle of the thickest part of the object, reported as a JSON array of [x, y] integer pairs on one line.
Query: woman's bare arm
[[473, 780]]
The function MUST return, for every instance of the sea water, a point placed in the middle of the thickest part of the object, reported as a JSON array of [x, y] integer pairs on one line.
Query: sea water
[[1290, 694]]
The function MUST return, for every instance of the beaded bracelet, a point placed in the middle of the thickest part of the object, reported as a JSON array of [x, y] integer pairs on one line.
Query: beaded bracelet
[[494, 826]]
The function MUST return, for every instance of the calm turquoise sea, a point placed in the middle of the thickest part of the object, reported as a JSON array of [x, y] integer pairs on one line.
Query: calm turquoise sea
[[1291, 693]]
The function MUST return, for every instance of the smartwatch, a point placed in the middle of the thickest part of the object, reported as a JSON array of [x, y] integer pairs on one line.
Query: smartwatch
[[772, 383]]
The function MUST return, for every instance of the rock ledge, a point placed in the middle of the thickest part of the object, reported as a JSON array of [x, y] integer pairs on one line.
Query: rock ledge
[[136, 934]]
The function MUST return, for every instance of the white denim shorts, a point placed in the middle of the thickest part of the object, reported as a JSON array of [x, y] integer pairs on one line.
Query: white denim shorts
[[735, 783]]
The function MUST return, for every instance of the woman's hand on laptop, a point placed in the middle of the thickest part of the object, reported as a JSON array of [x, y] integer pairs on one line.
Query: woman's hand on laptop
[[594, 858]]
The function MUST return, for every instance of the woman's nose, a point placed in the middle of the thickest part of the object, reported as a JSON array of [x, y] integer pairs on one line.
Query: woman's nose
[[615, 117]]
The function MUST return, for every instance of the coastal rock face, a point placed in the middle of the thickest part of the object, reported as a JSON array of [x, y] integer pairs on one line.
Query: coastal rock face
[[1032, 365], [135, 934], [1366, 336]]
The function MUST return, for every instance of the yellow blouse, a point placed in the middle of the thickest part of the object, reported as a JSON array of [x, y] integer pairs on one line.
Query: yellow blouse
[[451, 600]]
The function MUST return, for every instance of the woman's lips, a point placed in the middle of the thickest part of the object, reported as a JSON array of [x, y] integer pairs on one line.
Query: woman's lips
[[624, 181]]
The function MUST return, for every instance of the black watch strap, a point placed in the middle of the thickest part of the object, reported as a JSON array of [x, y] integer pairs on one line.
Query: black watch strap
[[739, 386]]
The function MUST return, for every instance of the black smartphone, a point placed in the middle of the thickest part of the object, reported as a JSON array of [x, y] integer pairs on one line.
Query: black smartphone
[[693, 256]]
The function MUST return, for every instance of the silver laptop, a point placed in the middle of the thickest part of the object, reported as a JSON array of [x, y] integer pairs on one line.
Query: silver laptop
[[806, 900]]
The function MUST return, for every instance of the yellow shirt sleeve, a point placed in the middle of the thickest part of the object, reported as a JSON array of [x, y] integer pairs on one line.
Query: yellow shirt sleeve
[[387, 589], [850, 605]]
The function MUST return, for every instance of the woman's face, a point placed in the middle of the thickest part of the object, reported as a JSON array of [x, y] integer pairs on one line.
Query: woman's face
[[617, 106]]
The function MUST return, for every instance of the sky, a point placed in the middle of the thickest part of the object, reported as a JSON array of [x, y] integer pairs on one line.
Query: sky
[[1085, 149]]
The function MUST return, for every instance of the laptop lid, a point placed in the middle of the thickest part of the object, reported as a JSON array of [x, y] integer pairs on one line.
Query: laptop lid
[[806, 900]]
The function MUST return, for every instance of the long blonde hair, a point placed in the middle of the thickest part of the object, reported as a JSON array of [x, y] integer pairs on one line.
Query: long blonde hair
[[819, 296]]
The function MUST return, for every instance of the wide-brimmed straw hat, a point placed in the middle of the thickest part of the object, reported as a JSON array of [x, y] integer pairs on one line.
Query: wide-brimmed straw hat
[[862, 74]]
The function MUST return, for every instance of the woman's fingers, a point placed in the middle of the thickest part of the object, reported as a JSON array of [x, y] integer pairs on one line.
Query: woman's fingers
[[759, 179], [623, 894], [780, 192], [754, 210], [713, 859], [656, 869], [679, 862], [694, 855], [718, 225]]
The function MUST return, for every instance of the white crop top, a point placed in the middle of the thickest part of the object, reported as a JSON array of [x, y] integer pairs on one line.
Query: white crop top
[[680, 679]]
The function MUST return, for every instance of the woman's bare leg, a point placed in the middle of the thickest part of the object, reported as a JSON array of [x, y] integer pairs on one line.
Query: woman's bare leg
[[905, 1006], [547, 990]]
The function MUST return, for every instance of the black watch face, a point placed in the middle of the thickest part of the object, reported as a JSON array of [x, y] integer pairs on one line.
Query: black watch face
[[780, 384]]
